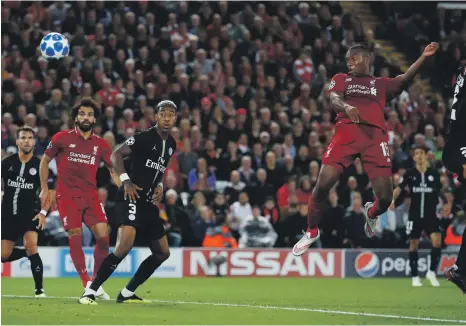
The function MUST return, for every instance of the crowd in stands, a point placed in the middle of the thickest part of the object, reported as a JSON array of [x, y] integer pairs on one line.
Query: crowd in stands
[[250, 80]]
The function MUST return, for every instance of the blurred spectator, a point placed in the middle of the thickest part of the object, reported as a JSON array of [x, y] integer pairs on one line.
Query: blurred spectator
[[239, 212], [257, 232]]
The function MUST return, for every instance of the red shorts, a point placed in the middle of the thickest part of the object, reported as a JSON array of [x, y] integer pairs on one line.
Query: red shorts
[[76, 210], [364, 141]]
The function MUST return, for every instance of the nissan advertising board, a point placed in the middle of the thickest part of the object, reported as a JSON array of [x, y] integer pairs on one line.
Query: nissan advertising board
[[263, 263]]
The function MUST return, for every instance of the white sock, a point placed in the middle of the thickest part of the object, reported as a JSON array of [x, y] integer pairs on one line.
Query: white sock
[[126, 293], [90, 291]]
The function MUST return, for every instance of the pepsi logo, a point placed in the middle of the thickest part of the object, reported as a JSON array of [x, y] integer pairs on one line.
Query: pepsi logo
[[367, 264]]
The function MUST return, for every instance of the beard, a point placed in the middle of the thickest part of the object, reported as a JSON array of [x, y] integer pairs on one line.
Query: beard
[[84, 127]]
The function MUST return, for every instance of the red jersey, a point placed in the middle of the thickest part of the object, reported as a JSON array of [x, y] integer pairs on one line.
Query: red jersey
[[367, 93], [77, 161]]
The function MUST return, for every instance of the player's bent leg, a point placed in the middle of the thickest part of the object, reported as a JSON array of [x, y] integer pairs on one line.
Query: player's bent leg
[[328, 176], [10, 253], [160, 253], [125, 241], [435, 252], [383, 188], [413, 259], [75, 236], [37, 268]]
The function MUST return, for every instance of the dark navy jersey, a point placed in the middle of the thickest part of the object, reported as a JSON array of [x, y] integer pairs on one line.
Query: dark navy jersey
[[457, 121], [22, 185], [149, 158], [424, 190]]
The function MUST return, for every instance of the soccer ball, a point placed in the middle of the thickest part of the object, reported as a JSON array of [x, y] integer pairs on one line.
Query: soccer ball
[[54, 46]]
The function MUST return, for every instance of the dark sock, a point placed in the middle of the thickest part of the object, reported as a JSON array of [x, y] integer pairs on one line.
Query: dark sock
[[37, 270], [145, 270], [106, 269], [461, 260], [434, 258], [413, 257], [15, 255]]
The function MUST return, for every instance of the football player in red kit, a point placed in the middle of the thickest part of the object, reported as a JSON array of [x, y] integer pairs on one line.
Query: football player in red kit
[[359, 100], [78, 153]]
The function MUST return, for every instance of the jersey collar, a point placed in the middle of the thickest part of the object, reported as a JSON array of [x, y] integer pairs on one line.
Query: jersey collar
[[359, 75], [79, 135]]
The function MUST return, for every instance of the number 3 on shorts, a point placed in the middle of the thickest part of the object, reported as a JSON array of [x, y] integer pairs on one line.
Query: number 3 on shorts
[[385, 150], [132, 212]]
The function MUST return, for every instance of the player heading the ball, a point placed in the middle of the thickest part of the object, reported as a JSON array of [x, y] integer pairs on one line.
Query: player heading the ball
[[359, 100]]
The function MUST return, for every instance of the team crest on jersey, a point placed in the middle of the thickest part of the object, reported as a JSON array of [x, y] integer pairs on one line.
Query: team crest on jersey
[[170, 151], [430, 178], [372, 82], [348, 79], [32, 171], [95, 150], [332, 85], [130, 141]]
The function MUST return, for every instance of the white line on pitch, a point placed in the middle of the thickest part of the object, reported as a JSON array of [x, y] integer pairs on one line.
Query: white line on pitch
[[236, 305]]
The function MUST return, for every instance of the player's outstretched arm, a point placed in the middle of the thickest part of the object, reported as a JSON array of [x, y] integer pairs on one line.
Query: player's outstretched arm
[[44, 178], [402, 80]]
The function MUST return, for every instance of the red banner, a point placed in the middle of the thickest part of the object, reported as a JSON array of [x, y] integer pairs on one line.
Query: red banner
[[263, 263], [6, 269]]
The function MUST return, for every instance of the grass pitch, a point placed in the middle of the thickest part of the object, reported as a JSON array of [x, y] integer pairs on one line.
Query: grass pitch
[[239, 301]]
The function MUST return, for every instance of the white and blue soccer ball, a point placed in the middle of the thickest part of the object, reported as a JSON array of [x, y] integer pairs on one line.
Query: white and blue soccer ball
[[54, 46]]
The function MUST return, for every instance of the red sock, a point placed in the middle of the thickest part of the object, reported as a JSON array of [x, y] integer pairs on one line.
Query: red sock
[[373, 212], [313, 217], [77, 255], [313, 231], [100, 252]]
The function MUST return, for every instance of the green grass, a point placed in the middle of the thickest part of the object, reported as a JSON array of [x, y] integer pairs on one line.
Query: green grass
[[369, 296]]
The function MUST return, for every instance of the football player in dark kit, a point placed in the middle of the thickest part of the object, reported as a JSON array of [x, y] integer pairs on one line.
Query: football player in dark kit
[[423, 185], [149, 153], [454, 159], [20, 178]]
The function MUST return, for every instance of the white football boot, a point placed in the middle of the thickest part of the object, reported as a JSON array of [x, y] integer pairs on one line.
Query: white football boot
[[416, 282], [432, 278], [302, 245], [371, 223], [100, 294]]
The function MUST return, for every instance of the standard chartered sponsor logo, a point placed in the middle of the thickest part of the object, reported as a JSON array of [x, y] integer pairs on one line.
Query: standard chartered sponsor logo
[[81, 158]]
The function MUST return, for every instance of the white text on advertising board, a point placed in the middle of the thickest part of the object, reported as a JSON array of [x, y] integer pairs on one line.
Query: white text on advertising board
[[124, 267], [264, 263]]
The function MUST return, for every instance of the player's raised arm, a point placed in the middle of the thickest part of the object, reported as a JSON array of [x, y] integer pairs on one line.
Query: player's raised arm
[[399, 82], [336, 93], [117, 159]]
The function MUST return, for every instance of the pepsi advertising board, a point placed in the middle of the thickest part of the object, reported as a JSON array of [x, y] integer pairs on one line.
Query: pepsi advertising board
[[391, 263]]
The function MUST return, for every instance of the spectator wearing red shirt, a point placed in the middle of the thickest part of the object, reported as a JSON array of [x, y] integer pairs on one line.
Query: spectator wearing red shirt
[[284, 193], [107, 94]]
